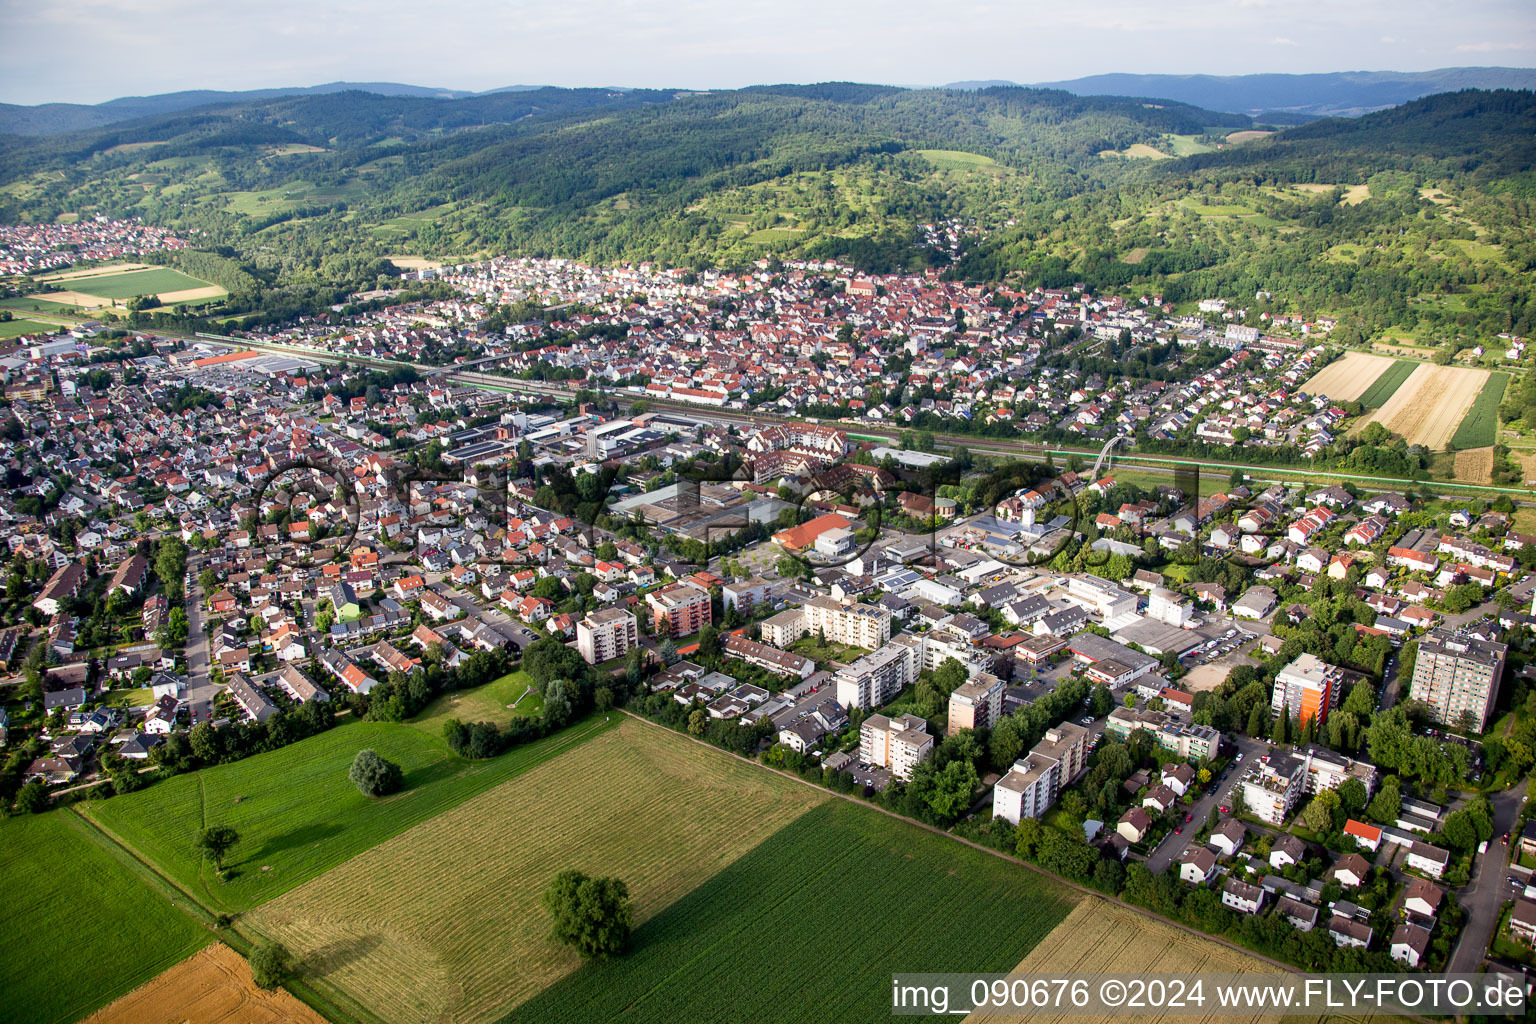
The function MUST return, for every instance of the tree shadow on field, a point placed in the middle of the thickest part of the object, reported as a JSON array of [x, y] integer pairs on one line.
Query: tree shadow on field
[[306, 836], [333, 956]]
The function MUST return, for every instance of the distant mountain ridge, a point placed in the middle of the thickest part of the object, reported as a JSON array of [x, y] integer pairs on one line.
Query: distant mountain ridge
[[1274, 98], [60, 118], [1335, 94]]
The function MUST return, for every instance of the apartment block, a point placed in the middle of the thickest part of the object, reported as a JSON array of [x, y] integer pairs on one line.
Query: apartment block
[[1031, 786], [1328, 769], [861, 625], [1271, 787], [895, 743], [1456, 673], [877, 678], [606, 634], [783, 629], [1307, 688], [679, 609], [746, 596], [976, 704]]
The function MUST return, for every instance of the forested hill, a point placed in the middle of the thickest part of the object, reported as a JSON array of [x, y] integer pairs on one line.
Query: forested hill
[[1420, 219], [589, 173], [1475, 134], [309, 194]]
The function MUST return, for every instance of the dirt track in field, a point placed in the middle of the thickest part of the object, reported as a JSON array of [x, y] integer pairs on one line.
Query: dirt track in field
[[213, 986]]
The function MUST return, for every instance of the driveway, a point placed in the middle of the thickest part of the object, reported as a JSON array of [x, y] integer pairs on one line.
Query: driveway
[[1484, 896], [1173, 845]]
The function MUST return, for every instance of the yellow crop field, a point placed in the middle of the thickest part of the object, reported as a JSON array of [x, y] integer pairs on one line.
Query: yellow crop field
[[213, 986], [1430, 404], [1347, 378], [1101, 938]]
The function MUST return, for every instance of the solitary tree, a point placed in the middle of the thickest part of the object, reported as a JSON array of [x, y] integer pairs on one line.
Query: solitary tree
[[593, 915], [270, 964], [215, 841], [374, 776]]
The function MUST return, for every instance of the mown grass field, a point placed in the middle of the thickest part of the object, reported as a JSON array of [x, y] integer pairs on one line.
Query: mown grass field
[[21, 303], [952, 159], [443, 923], [297, 813], [486, 703], [811, 925], [1386, 385], [135, 283], [1480, 425], [16, 328], [81, 926]]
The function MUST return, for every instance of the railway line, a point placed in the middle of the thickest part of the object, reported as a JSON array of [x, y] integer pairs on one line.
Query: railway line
[[993, 446]]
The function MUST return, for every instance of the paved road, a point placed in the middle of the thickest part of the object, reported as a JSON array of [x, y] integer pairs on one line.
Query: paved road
[[1484, 897], [1392, 683], [200, 685], [1173, 845]]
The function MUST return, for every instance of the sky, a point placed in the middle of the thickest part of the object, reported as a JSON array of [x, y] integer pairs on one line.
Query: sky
[[87, 51]]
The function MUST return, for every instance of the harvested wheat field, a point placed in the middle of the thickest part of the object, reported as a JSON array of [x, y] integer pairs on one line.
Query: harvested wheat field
[[1429, 406], [1475, 465], [211, 291], [72, 299], [1527, 464], [1347, 378], [1099, 937], [443, 922], [213, 986], [105, 270], [415, 262]]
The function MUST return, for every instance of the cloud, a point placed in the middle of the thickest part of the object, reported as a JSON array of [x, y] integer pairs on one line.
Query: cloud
[[1490, 47], [1283, 41]]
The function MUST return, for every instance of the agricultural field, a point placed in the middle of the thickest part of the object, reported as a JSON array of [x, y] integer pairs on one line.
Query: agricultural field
[[83, 924], [746, 944], [1428, 408], [1475, 465], [951, 159], [1386, 385], [443, 922], [16, 328], [1247, 136], [489, 703], [1136, 151], [1480, 426], [35, 304], [213, 986], [1188, 145], [1348, 377], [104, 289], [297, 814], [101, 270], [1099, 937]]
